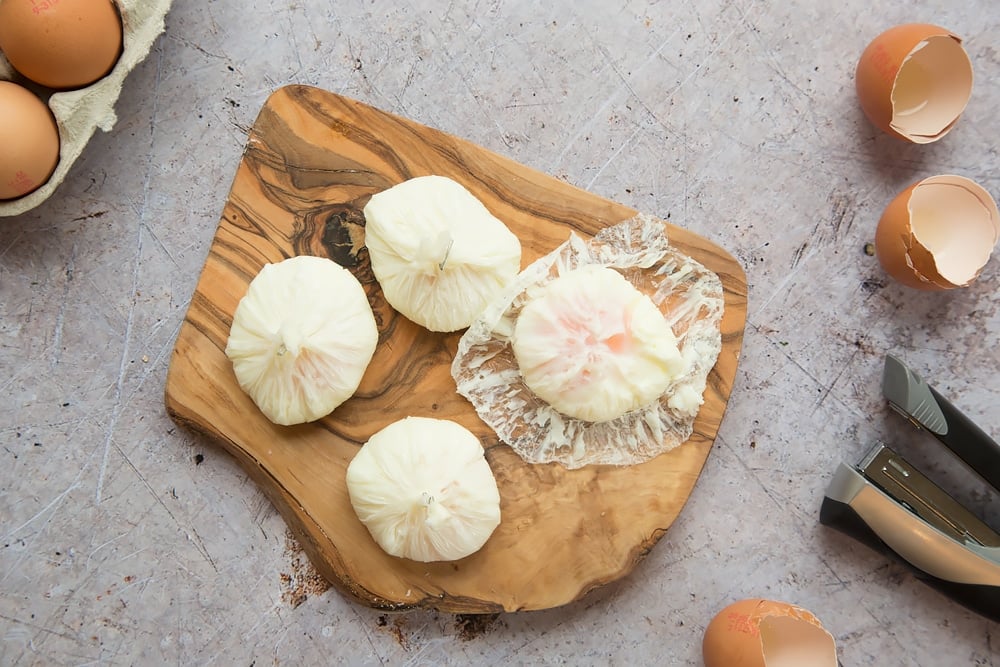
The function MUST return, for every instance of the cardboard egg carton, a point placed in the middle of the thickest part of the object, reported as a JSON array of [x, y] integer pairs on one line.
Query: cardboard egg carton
[[79, 113]]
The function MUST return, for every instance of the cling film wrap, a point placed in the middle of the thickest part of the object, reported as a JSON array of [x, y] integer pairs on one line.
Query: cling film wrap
[[690, 297]]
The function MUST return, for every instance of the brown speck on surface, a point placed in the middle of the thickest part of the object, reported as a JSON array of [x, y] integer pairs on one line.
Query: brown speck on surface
[[865, 347], [397, 629], [303, 580], [871, 285], [471, 626], [870, 249], [398, 625]]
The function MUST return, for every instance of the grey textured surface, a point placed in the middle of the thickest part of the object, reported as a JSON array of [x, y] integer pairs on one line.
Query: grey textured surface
[[127, 540]]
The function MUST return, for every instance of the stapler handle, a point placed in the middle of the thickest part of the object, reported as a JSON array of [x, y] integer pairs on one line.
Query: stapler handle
[[919, 402], [969, 442], [967, 573]]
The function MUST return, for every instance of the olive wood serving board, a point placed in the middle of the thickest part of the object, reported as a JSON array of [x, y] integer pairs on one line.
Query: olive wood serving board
[[312, 160]]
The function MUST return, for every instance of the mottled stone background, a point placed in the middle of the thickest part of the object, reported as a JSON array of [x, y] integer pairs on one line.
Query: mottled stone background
[[127, 540]]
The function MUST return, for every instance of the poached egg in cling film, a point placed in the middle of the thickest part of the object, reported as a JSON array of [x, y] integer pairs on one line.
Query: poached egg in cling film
[[599, 352]]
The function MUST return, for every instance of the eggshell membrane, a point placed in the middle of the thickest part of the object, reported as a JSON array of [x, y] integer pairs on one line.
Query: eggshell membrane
[[938, 233], [67, 44], [914, 81], [80, 113], [767, 633]]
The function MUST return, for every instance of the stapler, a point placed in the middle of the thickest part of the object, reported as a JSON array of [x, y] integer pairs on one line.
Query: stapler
[[926, 409], [887, 503]]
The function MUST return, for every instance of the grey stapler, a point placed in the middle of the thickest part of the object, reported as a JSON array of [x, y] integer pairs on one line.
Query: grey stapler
[[916, 400], [885, 502]]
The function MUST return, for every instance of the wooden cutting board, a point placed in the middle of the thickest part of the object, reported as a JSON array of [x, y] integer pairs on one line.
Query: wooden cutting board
[[312, 161]]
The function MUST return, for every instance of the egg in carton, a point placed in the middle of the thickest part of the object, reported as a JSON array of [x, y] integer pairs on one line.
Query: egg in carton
[[80, 112]]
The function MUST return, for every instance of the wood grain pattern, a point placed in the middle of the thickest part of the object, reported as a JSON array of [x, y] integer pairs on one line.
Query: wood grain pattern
[[312, 161]]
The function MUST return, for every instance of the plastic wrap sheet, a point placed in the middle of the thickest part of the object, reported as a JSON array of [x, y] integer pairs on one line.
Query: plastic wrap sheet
[[690, 298]]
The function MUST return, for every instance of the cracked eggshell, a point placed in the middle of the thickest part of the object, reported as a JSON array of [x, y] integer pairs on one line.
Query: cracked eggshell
[[766, 633], [938, 233], [914, 81], [79, 113]]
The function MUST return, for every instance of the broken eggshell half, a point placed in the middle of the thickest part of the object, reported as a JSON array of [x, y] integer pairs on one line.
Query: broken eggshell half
[[938, 233], [914, 81], [767, 633]]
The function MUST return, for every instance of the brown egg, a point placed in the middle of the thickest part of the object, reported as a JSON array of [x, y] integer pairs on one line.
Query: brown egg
[[765, 633], [938, 233], [61, 43], [30, 141], [913, 81]]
